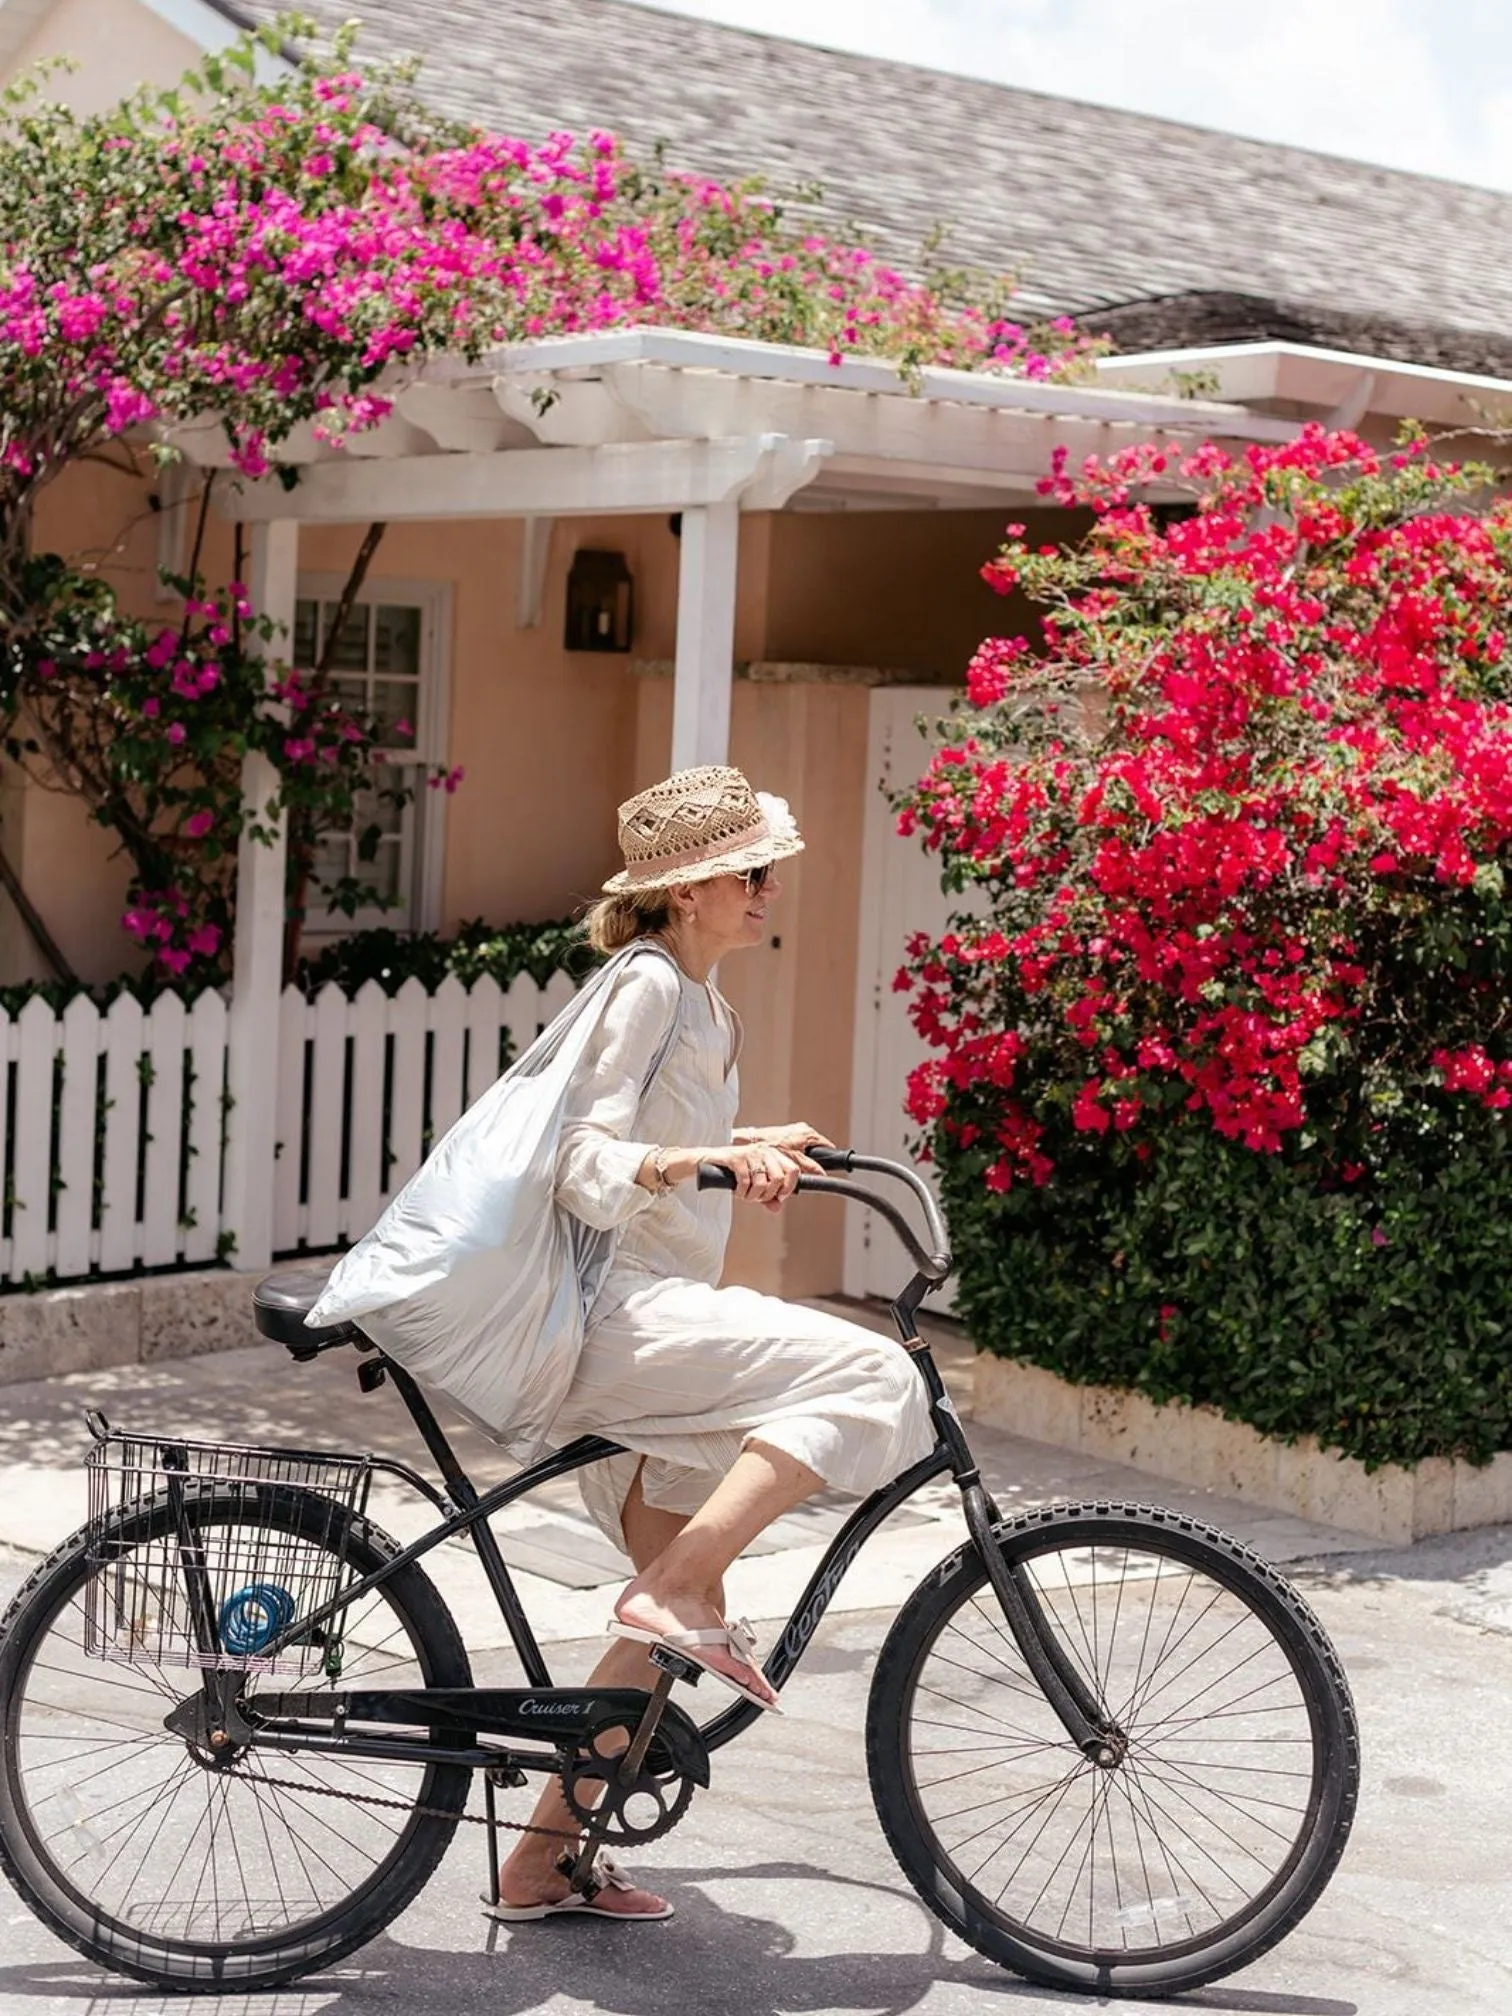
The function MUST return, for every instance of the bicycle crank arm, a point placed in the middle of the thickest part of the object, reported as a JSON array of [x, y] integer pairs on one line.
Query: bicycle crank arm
[[561, 1716], [1056, 1675]]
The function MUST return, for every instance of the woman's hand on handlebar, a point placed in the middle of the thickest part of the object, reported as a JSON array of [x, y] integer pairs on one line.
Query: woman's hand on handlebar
[[765, 1172], [792, 1139]]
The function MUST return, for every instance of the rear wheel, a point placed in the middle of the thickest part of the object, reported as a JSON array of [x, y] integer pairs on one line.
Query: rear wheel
[[1232, 1793], [132, 1842]]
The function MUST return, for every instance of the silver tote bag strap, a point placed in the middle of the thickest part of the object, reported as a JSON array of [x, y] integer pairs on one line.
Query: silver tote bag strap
[[592, 1250]]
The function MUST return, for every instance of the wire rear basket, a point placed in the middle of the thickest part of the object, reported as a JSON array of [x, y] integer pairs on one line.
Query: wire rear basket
[[194, 1568]]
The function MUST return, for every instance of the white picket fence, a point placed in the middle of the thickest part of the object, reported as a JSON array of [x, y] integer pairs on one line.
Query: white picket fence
[[112, 1126], [367, 1086]]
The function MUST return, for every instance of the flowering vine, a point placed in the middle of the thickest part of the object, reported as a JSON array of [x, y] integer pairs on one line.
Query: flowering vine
[[281, 254], [1240, 817]]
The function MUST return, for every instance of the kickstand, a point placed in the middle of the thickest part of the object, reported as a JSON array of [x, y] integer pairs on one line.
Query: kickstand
[[672, 1667], [494, 1776]]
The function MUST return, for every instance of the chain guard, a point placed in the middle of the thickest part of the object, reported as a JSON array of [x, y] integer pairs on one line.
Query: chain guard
[[624, 1815]]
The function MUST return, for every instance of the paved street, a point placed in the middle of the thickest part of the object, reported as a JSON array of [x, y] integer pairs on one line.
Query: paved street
[[788, 1900]]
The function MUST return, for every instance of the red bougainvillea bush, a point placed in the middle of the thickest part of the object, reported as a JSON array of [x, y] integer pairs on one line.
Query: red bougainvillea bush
[[1221, 1064], [268, 254]]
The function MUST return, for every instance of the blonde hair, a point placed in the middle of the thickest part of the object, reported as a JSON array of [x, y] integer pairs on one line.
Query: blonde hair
[[616, 921]]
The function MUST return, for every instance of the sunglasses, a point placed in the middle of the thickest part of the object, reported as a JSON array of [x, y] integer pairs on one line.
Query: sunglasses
[[756, 878]]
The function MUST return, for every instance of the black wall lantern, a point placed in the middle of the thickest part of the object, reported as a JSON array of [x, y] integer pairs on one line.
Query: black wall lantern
[[600, 603]]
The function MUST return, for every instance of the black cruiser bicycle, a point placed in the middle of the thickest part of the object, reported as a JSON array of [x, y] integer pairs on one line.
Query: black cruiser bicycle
[[1111, 1748]]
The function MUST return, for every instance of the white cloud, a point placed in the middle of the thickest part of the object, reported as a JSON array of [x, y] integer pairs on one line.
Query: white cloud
[[1407, 82]]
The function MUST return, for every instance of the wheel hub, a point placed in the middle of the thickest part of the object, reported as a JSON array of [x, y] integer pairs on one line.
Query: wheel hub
[[1108, 1749], [214, 1732]]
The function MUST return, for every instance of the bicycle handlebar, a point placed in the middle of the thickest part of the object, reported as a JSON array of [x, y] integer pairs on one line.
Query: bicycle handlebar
[[934, 1266]]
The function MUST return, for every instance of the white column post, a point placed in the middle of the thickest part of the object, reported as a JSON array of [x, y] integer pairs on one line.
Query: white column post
[[257, 962], [705, 635]]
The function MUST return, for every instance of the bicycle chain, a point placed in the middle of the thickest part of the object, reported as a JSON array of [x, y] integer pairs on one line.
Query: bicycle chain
[[397, 1805]]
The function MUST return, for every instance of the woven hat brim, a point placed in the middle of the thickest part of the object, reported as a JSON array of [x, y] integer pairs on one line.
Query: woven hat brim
[[739, 861]]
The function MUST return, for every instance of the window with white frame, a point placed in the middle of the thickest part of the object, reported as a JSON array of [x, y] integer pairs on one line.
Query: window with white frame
[[389, 665]]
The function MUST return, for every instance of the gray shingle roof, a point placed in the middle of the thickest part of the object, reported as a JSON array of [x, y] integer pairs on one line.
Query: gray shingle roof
[[1095, 207]]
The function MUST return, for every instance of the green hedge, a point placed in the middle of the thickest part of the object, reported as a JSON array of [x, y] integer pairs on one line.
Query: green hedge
[[1378, 1320], [503, 951]]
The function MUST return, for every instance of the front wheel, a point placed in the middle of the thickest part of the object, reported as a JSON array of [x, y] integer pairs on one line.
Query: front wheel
[[1234, 1779], [136, 1845]]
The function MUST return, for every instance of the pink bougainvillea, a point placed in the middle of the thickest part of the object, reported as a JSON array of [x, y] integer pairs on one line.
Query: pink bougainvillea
[[1242, 812], [269, 256], [263, 256]]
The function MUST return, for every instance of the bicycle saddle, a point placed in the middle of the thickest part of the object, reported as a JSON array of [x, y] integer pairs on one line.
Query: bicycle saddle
[[280, 1303]]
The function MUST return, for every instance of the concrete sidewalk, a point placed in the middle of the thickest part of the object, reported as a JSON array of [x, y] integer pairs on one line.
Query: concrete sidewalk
[[790, 1904], [787, 1897], [567, 1572]]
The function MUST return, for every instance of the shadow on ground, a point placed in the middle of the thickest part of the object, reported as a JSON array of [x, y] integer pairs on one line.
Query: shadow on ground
[[711, 1959]]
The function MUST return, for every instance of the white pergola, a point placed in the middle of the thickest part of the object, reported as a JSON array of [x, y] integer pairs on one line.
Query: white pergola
[[651, 421], [638, 422]]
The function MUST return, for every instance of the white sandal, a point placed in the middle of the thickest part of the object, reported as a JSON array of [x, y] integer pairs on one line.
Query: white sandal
[[607, 1874], [738, 1639]]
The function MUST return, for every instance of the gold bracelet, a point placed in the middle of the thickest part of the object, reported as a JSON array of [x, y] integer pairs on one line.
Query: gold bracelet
[[664, 1182]]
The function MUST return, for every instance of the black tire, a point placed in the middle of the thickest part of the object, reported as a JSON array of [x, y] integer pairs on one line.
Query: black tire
[[60, 1706], [1222, 1823]]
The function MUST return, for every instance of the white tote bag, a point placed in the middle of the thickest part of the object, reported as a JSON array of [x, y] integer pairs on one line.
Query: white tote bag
[[474, 1279]]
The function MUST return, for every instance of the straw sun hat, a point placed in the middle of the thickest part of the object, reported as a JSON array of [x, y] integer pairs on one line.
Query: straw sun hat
[[698, 824]]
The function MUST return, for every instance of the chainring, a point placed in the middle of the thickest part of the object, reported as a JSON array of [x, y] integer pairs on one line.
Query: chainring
[[622, 1815]]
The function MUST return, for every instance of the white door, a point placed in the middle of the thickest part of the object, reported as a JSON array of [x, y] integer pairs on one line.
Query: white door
[[900, 894]]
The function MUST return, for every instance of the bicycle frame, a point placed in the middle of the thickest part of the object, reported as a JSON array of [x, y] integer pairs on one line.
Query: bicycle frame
[[502, 1711]]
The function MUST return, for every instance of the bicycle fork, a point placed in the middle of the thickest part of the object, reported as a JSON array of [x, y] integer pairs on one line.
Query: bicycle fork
[[1100, 1740]]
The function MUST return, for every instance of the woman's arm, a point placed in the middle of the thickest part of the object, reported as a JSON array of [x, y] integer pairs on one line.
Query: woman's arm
[[598, 1161]]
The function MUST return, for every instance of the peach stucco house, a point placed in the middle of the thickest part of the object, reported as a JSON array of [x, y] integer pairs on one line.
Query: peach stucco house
[[804, 542]]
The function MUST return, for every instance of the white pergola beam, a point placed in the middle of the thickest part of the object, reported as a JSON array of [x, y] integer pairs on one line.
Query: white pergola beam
[[460, 418], [925, 481], [954, 440], [521, 483], [564, 412], [792, 466], [705, 663], [743, 357], [257, 953]]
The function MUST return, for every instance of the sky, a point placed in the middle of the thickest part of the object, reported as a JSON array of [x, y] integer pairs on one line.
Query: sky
[[1424, 85]]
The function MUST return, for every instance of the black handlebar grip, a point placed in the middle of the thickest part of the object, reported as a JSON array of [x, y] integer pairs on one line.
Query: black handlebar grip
[[832, 1158], [714, 1175]]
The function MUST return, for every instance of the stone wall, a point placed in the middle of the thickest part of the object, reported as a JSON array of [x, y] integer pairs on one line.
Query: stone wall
[[84, 1329], [1197, 1445]]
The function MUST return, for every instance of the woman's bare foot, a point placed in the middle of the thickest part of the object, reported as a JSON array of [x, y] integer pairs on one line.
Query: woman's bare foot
[[673, 1612]]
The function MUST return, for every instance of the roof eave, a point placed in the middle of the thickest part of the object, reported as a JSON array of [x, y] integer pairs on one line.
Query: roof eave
[[1341, 383]]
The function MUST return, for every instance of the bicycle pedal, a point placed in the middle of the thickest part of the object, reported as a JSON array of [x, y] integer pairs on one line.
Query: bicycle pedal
[[675, 1664]]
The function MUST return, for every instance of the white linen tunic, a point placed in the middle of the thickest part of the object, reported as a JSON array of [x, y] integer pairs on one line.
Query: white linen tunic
[[681, 1371]]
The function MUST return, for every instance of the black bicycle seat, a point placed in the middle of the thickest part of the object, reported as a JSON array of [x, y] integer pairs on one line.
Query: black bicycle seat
[[281, 1302]]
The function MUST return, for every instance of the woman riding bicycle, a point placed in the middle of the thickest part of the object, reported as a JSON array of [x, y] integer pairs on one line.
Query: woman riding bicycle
[[1184, 1758], [733, 1406]]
